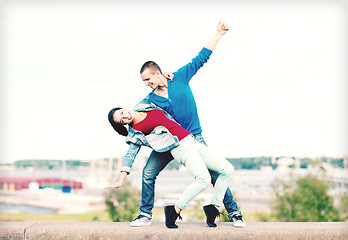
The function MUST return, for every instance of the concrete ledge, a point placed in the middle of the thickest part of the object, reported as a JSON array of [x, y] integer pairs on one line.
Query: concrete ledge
[[186, 230]]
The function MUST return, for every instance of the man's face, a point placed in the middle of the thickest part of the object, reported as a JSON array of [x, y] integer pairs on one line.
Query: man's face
[[123, 116], [151, 78]]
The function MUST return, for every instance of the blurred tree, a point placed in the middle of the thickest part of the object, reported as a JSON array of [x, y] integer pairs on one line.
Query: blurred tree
[[343, 207], [304, 199], [123, 203], [196, 213], [224, 216]]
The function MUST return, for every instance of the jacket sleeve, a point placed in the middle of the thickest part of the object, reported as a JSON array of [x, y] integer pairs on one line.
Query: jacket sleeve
[[189, 70], [129, 157]]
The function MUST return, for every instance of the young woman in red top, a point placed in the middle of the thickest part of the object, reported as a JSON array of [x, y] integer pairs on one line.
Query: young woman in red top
[[196, 157]]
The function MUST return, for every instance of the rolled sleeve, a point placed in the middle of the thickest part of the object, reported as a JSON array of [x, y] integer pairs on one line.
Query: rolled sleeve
[[125, 169]]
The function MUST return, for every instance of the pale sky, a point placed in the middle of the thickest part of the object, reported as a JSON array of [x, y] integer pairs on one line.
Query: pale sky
[[276, 84]]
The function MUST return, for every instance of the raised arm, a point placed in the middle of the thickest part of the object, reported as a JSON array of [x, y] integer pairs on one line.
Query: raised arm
[[222, 29], [186, 72]]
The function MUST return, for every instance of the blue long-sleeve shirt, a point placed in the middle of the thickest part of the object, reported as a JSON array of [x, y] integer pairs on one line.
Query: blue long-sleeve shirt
[[181, 104]]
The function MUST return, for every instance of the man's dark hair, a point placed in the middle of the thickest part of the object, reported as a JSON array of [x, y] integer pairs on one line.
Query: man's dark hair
[[152, 65], [118, 127]]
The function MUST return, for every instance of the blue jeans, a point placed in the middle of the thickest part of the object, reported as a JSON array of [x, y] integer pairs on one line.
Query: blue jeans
[[156, 163]]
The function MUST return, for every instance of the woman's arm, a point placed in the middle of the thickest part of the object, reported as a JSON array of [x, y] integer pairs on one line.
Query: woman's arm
[[127, 164], [120, 181], [222, 29], [129, 158]]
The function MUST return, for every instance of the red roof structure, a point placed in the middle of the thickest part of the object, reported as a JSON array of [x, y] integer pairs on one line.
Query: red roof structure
[[20, 183]]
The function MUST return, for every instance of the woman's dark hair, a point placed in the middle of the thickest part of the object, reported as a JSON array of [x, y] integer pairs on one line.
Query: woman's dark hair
[[118, 127]]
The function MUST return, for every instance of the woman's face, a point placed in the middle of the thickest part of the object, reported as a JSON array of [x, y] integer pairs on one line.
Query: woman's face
[[123, 116]]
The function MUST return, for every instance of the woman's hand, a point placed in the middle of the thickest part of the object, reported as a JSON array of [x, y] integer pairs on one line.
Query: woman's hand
[[117, 184], [120, 181]]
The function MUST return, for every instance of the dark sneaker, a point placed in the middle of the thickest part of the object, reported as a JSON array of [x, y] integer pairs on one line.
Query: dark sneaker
[[238, 220], [140, 221]]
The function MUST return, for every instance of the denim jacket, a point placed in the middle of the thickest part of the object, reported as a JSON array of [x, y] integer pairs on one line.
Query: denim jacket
[[160, 139]]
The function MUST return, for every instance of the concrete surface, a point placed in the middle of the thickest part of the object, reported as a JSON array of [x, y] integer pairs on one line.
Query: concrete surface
[[186, 231]]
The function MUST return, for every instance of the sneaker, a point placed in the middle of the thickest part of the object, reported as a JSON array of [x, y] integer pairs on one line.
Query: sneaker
[[140, 221], [238, 220]]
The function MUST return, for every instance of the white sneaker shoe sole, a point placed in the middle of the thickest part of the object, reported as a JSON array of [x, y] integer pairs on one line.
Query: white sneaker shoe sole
[[139, 224], [239, 224]]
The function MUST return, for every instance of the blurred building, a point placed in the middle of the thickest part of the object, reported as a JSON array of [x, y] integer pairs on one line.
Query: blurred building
[[20, 183]]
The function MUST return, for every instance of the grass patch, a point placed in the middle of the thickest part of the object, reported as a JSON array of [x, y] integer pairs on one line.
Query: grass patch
[[191, 214], [94, 216]]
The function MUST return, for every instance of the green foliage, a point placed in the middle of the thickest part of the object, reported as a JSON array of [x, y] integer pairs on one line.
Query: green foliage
[[343, 206], [49, 164], [304, 199], [335, 162], [263, 217], [196, 213], [305, 162], [123, 203], [56, 164], [238, 163], [251, 163], [224, 216], [99, 215]]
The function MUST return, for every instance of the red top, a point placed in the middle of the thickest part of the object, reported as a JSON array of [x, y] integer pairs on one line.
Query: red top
[[157, 118]]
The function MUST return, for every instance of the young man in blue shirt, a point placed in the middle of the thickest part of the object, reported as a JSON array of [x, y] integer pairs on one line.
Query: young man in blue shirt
[[176, 98]]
